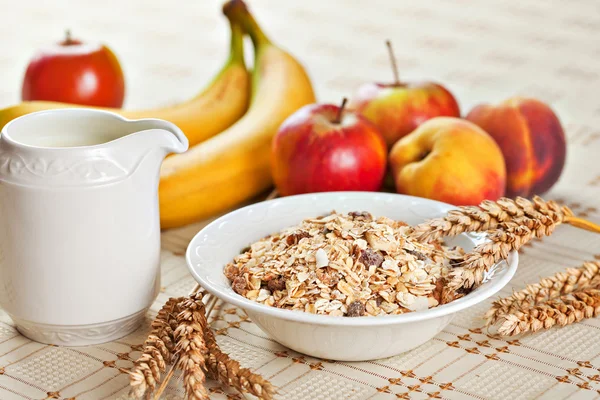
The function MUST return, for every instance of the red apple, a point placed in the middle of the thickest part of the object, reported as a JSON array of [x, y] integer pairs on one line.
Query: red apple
[[75, 72], [322, 148], [398, 108]]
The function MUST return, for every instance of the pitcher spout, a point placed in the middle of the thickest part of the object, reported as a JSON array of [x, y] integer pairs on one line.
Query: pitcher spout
[[162, 134]]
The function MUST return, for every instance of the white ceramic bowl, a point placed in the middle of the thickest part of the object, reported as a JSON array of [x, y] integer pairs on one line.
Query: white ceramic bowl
[[336, 338]]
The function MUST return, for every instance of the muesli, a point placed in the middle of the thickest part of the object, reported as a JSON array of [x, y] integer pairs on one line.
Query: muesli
[[345, 265]]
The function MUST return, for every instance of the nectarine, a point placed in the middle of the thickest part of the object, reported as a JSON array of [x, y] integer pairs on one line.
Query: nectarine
[[532, 141]]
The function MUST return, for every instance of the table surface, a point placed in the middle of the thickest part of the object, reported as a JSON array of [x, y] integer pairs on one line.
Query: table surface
[[483, 51]]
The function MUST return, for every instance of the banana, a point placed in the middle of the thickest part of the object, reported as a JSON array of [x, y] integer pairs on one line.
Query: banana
[[234, 166], [213, 110]]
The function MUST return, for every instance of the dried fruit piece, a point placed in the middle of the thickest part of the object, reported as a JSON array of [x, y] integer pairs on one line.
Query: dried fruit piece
[[356, 309], [439, 289], [361, 215], [418, 254], [239, 285], [276, 284], [231, 272], [294, 238], [370, 257]]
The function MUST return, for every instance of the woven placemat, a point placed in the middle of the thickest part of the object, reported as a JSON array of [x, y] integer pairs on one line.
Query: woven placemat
[[483, 51]]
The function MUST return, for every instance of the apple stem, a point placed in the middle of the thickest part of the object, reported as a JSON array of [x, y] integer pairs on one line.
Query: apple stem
[[388, 43], [68, 38], [338, 117]]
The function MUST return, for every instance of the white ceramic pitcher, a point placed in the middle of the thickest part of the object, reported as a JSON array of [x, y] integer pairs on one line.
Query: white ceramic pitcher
[[79, 222]]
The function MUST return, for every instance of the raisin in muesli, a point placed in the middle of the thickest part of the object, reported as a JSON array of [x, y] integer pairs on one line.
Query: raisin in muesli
[[295, 237], [370, 257], [276, 284], [356, 309], [418, 254], [361, 215], [439, 290], [239, 285]]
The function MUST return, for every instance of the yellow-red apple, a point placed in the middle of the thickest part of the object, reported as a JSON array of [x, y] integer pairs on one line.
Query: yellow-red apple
[[398, 108], [532, 141], [450, 160], [321, 148]]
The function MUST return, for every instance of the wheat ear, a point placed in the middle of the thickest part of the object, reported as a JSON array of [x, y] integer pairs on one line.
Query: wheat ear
[[539, 219], [563, 310], [191, 347], [156, 352], [562, 283], [228, 371], [489, 215], [471, 271]]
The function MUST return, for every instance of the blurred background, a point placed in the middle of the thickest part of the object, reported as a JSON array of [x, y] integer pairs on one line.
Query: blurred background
[[481, 50]]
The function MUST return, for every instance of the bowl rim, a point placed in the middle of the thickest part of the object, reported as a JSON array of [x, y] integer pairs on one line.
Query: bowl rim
[[471, 299]]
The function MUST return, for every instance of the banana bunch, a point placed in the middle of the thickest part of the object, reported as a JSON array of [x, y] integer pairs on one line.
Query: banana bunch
[[234, 165], [230, 125]]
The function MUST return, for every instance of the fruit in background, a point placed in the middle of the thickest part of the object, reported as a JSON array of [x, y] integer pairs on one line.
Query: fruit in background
[[75, 72], [233, 166], [398, 108], [321, 148], [532, 141], [213, 110], [450, 160]]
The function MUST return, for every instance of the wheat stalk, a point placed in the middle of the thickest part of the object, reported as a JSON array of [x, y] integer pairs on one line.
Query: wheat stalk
[[489, 215], [191, 347], [509, 224], [563, 310], [210, 304], [156, 353], [196, 351], [562, 283], [228, 371], [471, 271]]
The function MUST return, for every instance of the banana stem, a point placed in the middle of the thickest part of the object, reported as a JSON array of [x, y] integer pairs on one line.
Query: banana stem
[[236, 50], [582, 223], [237, 11]]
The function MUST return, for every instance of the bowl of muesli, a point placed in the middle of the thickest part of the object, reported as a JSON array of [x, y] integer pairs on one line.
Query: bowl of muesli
[[338, 275]]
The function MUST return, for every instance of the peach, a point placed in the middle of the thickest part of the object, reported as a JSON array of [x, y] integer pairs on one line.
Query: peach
[[450, 160], [532, 141]]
